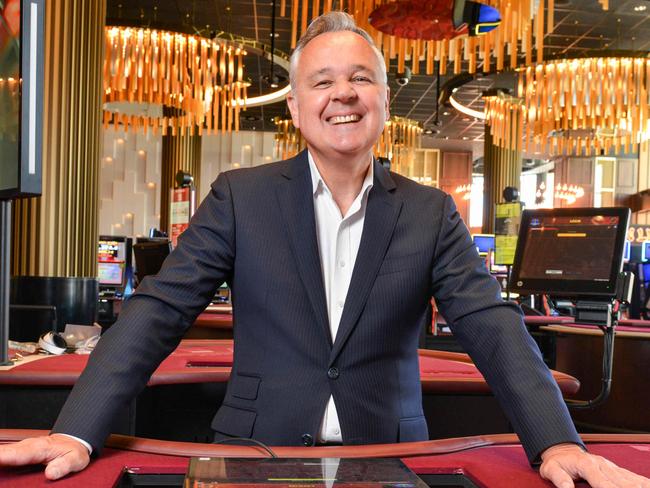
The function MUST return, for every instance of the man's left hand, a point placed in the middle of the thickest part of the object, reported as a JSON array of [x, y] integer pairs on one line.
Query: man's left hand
[[564, 463]]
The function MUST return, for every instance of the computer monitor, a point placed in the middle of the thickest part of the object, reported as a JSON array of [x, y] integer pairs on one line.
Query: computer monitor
[[645, 251], [573, 252], [110, 273], [483, 243], [497, 268], [626, 251], [639, 252], [113, 257], [150, 253]]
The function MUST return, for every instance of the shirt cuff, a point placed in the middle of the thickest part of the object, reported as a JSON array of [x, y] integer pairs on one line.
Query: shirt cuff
[[81, 441]]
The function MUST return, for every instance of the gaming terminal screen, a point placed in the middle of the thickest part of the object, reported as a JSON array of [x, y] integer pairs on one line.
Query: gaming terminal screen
[[570, 251]]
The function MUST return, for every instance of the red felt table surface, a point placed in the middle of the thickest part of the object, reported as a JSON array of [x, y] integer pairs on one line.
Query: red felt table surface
[[491, 466], [632, 325], [619, 328], [202, 361]]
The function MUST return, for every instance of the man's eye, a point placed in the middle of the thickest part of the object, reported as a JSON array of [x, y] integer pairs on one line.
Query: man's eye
[[361, 79], [322, 83]]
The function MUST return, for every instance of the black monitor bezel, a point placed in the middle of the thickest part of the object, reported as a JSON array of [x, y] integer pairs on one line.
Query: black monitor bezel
[[30, 131], [570, 288]]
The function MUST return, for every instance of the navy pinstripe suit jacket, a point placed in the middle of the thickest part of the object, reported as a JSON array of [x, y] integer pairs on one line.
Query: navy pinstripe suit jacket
[[256, 230]]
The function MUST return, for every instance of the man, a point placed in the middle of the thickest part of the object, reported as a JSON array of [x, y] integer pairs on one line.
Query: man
[[332, 261]]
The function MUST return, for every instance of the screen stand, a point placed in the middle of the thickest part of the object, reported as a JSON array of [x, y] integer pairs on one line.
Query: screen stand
[[5, 261], [604, 314]]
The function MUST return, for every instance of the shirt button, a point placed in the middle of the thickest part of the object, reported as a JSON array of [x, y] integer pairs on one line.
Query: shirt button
[[307, 440], [341, 303], [333, 373], [337, 431], [342, 264]]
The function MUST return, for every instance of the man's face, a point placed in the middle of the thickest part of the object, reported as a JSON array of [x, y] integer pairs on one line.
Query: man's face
[[340, 99]]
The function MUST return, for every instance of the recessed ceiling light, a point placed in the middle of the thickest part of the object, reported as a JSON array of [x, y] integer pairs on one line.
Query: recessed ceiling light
[[640, 8], [465, 138], [445, 113]]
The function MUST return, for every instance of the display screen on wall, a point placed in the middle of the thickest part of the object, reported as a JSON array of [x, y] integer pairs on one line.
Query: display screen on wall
[[21, 96]]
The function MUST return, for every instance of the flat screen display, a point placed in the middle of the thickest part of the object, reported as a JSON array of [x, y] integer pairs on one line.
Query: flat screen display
[[110, 273], [111, 260], [626, 251], [483, 243], [111, 251], [570, 252], [645, 251]]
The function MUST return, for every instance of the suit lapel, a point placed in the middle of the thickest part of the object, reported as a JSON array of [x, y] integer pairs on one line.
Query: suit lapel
[[295, 196], [382, 211]]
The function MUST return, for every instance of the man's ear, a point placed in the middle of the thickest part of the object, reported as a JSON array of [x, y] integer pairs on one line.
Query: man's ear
[[292, 103], [387, 102]]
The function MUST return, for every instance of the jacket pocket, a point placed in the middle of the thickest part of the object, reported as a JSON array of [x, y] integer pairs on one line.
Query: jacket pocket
[[245, 386], [235, 422], [412, 429], [398, 263]]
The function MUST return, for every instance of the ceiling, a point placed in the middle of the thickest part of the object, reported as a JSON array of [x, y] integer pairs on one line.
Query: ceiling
[[582, 28]]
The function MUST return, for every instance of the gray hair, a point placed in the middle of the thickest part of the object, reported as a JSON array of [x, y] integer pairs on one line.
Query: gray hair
[[335, 21]]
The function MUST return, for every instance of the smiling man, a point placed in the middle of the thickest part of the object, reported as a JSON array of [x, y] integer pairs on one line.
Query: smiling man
[[332, 261]]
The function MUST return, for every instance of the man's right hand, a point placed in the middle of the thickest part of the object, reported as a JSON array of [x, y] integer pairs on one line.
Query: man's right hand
[[61, 454]]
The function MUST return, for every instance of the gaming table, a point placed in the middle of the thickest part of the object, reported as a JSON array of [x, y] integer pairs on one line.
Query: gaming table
[[185, 391], [579, 352], [493, 461]]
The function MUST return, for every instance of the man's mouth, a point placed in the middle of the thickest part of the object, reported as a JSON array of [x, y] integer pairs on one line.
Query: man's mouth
[[344, 119]]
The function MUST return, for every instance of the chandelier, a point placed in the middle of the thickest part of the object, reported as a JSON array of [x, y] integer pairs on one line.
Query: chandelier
[[464, 191], [578, 106], [523, 26], [568, 193], [168, 81], [398, 142]]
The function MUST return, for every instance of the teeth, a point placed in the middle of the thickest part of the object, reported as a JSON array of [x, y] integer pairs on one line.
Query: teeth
[[343, 119]]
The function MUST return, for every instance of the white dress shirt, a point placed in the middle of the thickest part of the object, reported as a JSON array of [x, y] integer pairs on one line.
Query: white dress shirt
[[339, 237]]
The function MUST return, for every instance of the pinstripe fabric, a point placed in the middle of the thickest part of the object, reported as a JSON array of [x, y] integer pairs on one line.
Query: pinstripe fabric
[[256, 230]]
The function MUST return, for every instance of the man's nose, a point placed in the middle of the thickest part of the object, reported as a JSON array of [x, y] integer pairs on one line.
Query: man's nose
[[343, 91]]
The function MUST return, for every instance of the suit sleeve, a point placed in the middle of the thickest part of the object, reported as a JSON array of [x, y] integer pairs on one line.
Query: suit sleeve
[[153, 320], [493, 333]]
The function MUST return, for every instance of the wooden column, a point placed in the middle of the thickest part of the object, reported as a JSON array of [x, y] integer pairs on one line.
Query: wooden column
[[501, 168], [181, 152], [56, 234], [456, 170]]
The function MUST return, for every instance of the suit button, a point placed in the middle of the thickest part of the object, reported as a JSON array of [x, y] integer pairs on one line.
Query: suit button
[[333, 373], [307, 440]]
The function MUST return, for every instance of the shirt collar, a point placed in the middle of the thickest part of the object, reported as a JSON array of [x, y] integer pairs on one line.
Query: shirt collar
[[318, 183]]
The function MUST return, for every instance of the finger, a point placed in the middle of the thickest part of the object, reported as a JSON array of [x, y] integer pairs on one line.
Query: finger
[[594, 471], [68, 462], [553, 472], [623, 478], [27, 451]]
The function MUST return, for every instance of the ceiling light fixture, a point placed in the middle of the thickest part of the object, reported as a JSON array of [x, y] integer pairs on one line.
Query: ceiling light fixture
[[524, 24], [470, 112], [181, 81], [577, 106]]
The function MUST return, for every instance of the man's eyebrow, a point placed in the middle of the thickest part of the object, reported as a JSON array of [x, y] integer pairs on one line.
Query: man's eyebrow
[[327, 70]]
